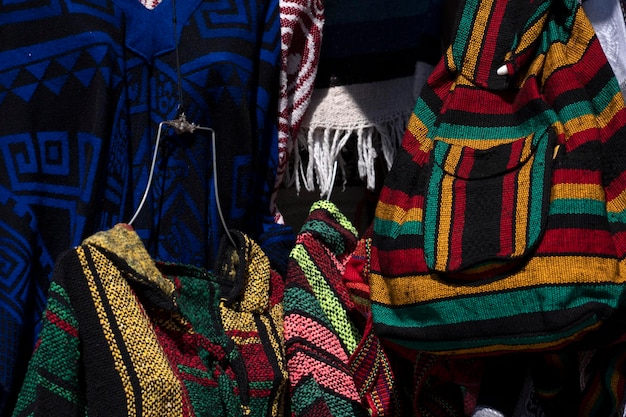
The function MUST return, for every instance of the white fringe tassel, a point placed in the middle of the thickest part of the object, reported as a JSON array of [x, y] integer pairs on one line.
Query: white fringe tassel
[[375, 115], [324, 147]]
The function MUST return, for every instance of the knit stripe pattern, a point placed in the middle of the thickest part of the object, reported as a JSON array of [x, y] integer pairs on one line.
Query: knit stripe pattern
[[252, 316], [125, 336], [336, 366], [370, 365], [455, 197], [569, 240], [57, 349], [110, 362], [301, 30]]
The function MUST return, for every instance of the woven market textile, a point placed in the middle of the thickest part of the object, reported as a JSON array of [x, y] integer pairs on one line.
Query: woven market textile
[[84, 86], [364, 87], [251, 311], [301, 28], [123, 336], [336, 365], [536, 267]]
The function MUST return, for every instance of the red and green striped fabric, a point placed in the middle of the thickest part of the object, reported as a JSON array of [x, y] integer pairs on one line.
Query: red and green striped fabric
[[501, 224], [124, 335]]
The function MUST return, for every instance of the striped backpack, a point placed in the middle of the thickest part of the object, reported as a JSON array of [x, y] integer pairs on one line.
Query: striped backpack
[[501, 225]]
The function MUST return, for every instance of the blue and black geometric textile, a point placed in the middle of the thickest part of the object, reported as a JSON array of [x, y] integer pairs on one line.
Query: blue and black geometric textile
[[83, 87]]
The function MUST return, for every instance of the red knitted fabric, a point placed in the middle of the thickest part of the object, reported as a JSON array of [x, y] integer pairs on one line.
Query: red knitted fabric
[[301, 23]]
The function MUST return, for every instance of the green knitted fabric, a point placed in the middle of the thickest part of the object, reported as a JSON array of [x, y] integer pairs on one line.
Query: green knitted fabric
[[123, 336], [55, 364]]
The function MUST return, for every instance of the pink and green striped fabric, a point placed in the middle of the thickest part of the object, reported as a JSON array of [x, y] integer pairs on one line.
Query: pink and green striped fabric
[[336, 365]]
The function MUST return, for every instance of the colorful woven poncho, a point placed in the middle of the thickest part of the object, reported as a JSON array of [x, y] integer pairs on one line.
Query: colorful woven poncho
[[123, 336], [336, 365]]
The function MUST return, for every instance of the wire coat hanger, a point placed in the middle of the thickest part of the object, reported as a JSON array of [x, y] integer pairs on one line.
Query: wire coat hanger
[[181, 125]]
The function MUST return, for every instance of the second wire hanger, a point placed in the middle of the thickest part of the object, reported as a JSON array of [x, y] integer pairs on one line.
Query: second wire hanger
[[181, 125]]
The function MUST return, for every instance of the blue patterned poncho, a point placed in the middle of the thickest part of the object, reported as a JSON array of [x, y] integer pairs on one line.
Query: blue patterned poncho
[[83, 87]]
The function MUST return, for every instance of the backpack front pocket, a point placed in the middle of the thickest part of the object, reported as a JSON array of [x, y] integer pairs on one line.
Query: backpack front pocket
[[485, 209]]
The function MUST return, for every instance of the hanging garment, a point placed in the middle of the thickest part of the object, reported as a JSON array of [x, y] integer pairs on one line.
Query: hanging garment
[[336, 365], [123, 336], [301, 29], [365, 86], [251, 311], [501, 224], [83, 87], [425, 384], [528, 404], [444, 385]]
